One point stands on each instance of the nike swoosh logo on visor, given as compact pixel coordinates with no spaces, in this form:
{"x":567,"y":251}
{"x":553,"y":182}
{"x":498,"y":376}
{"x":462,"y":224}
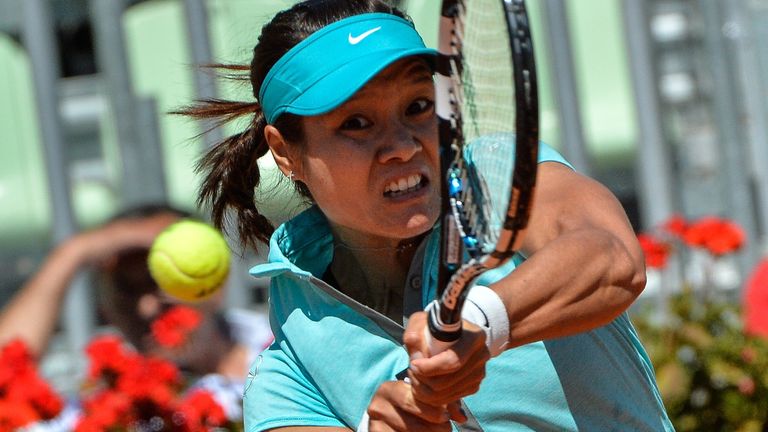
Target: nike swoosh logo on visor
{"x":354,"y":40}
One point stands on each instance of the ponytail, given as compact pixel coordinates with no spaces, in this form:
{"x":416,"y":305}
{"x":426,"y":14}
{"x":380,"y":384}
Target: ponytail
{"x":231,"y":175}
{"x":230,"y":169}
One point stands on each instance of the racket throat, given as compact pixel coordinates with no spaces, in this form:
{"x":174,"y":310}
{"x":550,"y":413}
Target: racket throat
{"x":453,"y":252}
{"x":452,"y":300}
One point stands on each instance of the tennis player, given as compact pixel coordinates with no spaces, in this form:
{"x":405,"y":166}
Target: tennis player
{"x":345,"y":104}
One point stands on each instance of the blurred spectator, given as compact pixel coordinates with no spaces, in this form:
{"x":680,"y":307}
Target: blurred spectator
{"x":756,"y":300}
{"x":218,"y":352}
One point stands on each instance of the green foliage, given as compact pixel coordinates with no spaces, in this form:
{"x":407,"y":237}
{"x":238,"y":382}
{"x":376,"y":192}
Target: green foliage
{"x":711,"y":375}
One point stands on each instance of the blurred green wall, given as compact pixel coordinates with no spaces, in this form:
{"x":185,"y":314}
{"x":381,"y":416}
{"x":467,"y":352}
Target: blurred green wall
{"x":161,"y":68}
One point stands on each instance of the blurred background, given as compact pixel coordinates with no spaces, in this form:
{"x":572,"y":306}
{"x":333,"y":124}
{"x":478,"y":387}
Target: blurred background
{"x":663,"y":101}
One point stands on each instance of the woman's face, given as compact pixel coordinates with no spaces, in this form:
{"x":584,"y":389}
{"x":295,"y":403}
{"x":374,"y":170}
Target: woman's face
{"x":372,"y":164}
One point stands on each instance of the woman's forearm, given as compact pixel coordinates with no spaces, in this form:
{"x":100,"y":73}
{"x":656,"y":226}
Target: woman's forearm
{"x":579,"y":281}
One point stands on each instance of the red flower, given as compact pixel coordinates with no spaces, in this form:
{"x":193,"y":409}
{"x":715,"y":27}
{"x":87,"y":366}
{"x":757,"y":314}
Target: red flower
{"x":39,"y":396}
{"x":756,"y":303}
{"x":718,"y":236}
{"x":138,"y":394}
{"x":747,"y":386}
{"x":200,"y":411}
{"x":162,"y":370}
{"x":109,"y":357}
{"x":151,"y":380}
{"x":125,"y":391}
{"x":675,"y":225}
{"x":127,"y":387}
{"x":656,"y":252}
{"x":15,"y":361}
{"x":16,"y":414}
{"x":748,"y":355}
{"x":137,"y":390}
{"x":104,"y":410}
{"x":172,"y":328}
{"x":24,"y":397}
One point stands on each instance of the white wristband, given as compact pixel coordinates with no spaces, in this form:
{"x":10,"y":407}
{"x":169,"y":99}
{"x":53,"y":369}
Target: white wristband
{"x":484,"y":308}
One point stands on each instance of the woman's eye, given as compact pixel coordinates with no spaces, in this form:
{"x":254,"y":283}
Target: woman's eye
{"x":355,"y":123}
{"x":419,"y":106}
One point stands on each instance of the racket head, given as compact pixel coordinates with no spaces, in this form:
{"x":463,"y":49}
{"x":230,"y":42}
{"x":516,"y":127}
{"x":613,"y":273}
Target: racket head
{"x":487,"y":106}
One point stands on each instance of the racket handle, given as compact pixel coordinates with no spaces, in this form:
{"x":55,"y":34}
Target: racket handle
{"x":484,"y":308}
{"x":439,"y":335}
{"x":436,"y":346}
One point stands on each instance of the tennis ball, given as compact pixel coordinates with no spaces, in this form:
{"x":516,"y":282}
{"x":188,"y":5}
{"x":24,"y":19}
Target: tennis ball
{"x":189,"y":260}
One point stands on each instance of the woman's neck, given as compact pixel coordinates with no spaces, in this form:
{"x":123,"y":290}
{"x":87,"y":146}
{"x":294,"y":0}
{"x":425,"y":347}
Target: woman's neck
{"x":374,"y":273}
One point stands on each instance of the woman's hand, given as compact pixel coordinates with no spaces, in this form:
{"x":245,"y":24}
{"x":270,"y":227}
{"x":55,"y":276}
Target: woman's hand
{"x":394,"y":408}
{"x":450,"y":375}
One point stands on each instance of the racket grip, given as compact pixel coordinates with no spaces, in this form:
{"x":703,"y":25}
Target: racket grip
{"x":436,"y":346}
{"x":439,"y":335}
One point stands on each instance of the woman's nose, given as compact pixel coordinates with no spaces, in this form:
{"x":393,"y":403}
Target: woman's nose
{"x":399,"y":143}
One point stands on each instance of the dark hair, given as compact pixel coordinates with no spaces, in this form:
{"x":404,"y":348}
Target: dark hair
{"x":230,"y":168}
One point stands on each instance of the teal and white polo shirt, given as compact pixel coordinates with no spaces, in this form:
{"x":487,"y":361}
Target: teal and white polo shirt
{"x":331,"y":353}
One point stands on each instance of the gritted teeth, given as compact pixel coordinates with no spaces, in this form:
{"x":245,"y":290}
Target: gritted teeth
{"x":405,"y":184}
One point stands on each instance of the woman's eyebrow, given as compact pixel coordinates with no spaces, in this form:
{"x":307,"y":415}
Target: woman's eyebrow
{"x":418,"y":72}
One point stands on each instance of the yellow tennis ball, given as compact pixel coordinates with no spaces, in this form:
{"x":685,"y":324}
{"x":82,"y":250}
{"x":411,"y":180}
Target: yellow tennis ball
{"x":189,"y":260}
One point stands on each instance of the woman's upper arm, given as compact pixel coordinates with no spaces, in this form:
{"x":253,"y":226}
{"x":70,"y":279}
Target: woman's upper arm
{"x":565,"y":200}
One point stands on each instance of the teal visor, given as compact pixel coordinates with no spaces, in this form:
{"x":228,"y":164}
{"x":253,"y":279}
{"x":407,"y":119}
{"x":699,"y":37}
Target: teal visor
{"x":332,"y":64}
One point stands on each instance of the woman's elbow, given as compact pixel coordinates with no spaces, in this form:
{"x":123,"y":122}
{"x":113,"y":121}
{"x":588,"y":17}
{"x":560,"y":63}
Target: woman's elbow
{"x":632,"y":276}
{"x":639,"y":279}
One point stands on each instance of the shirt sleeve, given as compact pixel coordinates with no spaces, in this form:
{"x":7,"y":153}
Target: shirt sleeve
{"x":278,"y":394}
{"x":549,"y":154}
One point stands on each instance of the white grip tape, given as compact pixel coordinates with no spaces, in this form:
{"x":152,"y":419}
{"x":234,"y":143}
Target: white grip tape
{"x":484,"y":308}
{"x":364,"y":422}
{"x":436,"y":346}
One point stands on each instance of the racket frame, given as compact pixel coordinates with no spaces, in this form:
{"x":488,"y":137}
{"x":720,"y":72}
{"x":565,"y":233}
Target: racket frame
{"x":454,"y":275}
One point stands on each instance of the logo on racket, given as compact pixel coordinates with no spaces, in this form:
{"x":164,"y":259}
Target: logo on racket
{"x":354,"y":40}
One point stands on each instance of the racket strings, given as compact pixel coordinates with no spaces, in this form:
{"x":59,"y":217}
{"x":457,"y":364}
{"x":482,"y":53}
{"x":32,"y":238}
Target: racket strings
{"x":473,"y":212}
{"x":483,"y":91}
{"x":487,"y":74}
{"x":464,"y":216}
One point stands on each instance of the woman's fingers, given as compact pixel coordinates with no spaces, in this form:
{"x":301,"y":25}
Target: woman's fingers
{"x":414,"y":336}
{"x":469,"y":351}
{"x":451,"y":374}
{"x":393,"y":408}
{"x":438,"y":391}
{"x":445,"y":377}
{"x":456,"y":412}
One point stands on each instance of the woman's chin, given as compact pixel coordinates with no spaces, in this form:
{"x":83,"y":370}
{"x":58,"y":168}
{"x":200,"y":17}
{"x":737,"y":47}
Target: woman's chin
{"x":419,"y":224}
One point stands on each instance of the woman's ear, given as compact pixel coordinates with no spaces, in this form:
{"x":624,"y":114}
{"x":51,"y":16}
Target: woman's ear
{"x":284,"y":158}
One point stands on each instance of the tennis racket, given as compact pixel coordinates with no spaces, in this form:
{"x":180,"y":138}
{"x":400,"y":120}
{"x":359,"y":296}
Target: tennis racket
{"x":487,"y":107}
{"x":488,"y":114}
